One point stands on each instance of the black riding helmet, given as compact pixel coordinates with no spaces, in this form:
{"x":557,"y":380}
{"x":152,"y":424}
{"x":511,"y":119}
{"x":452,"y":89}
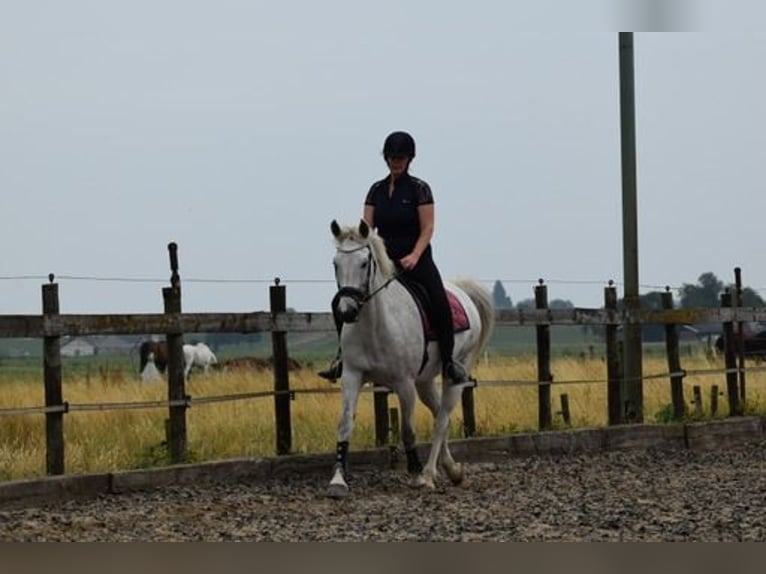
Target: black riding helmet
{"x":399,"y":144}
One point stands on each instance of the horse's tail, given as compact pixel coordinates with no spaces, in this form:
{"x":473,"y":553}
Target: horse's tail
{"x":482,"y":298}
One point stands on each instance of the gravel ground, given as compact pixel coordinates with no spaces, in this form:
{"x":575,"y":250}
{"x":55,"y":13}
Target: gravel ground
{"x":630,"y":495}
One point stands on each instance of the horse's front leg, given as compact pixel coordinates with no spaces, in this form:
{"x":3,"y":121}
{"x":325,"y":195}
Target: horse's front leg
{"x":351,"y":384}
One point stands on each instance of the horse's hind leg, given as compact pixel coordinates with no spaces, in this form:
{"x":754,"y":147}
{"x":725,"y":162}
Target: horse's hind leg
{"x":450,"y":396}
{"x":430,"y":397}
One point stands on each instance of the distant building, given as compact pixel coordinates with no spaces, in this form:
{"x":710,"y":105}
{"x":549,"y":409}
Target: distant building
{"x":78,"y":348}
{"x":108,"y":346}
{"x":111,"y":345}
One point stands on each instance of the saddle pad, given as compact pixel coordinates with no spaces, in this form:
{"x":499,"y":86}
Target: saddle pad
{"x":459,"y":317}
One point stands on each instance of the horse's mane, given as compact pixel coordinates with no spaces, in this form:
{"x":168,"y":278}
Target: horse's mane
{"x":376,"y":244}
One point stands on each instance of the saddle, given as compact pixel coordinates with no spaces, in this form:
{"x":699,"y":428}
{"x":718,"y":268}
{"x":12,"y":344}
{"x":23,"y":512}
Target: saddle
{"x":459,"y":316}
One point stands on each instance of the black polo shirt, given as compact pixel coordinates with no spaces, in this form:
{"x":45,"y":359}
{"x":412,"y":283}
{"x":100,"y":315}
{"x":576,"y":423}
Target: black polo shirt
{"x":396,"y":217}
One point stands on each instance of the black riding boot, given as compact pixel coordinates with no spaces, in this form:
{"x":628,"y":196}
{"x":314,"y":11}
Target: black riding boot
{"x":455,"y":372}
{"x":451,"y":369}
{"x":334,"y":371}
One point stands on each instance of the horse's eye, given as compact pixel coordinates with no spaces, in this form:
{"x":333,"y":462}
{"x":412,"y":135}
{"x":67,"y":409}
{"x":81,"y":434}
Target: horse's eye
{"x":364,"y":265}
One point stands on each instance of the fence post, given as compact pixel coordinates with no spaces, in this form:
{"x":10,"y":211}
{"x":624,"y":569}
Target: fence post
{"x":697,"y":393}
{"x":176,"y":426}
{"x":613,"y":370}
{"x":469,"y":413}
{"x":382,"y":425}
{"x":713,"y":400}
{"x":54,"y":422}
{"x":674,"y":360}
{"x":544,"y":378}
{"x":278,"y":302}
{"x":740,"y":335}
{"x":565,"y":414}
{"x":731,"y":360}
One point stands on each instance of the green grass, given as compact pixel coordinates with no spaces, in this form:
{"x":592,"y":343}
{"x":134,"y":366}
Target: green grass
{"x":111,"y":440}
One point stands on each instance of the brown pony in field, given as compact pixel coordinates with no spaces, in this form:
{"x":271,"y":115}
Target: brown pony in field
{"x":160,"y":351}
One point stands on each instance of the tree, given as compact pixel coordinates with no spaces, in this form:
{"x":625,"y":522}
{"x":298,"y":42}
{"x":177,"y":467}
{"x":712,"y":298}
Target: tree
{"x":750,"y":297}
{"x":502,"y":301}
{"x":526,"y":304}
{"x":704,"y":294}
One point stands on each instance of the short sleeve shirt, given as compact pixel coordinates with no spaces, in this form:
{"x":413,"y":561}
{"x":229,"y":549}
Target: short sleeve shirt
{"x":396,"y":217}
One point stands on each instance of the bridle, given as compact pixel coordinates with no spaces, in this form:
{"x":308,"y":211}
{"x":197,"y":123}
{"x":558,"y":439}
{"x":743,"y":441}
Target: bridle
{"x":358,"y":295}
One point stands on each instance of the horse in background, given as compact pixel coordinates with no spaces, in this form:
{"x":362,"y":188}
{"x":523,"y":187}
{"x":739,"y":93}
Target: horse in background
{"x":159,"y":352}
{"x":383,"y":341}
{"x":198,"y":355}
{"x":150,"y":371}
{"x":154,"y":357}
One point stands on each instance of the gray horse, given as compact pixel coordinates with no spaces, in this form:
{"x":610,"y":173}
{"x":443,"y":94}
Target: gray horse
{"x":383,"y":342}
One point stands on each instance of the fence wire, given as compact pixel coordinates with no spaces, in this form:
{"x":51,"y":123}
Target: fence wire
{"x":285,"y":280}
{"x":190,"y":401}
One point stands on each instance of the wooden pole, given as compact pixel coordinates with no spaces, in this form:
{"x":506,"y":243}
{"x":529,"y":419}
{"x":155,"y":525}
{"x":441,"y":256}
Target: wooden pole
{"x":380,"y":405}
{"x":613,"y":371}
{"x":54,"y":421}
{"x":176,"y":426}
{"x":469,"y":414}
{"x":740,"y":335}
{"x":278,"y":302}
{"x":697,"y":400}
{"x":713,"y":400}
{"x":631,"y":330}
{"x":565,"y":414}
{"x":730,"y":359}
{"x":674,"y":360}
{"x":544,"y":377}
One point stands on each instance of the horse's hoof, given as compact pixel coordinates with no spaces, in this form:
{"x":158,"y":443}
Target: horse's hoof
{"x":337,"y":491}
{"x":422,"y":481}
{"x":455,"y":473}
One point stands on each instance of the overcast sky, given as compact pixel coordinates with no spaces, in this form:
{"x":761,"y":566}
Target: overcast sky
{"x":240,"y":129}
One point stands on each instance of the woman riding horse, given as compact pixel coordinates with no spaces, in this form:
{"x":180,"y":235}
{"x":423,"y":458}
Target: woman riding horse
{"x":401,"y":208}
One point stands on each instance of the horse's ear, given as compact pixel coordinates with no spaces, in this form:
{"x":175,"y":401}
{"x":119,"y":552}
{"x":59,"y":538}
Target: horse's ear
{"x":335,"y":228}
{"x":364,"y":229}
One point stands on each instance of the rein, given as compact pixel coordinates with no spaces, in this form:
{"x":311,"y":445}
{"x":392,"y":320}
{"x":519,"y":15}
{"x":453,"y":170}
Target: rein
{"x":386,"y":283}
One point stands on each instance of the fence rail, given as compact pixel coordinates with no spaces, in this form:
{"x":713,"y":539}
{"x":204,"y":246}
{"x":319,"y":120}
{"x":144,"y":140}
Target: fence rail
{"x":39,"y":326}
{"x":50,"y":326}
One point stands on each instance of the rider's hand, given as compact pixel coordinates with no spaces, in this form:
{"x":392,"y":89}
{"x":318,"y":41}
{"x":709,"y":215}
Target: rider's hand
{"x":409,"y":261}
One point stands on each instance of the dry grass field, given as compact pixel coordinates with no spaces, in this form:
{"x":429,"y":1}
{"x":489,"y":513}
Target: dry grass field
{"x":123,"y":439}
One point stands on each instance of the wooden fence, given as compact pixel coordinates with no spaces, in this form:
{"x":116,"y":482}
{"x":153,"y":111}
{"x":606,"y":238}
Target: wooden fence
{"x":173,"y":323}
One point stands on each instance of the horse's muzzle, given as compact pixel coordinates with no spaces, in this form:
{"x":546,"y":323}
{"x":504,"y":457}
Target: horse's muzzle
{"x":349,"y":310}
{"x":350,"y":314}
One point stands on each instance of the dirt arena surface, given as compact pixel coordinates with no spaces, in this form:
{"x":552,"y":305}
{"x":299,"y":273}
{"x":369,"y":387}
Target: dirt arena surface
{"x":646,"y":495}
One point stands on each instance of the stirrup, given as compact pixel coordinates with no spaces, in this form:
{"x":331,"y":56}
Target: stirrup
{"x":456,"y":373}
{"x":333,"y":372}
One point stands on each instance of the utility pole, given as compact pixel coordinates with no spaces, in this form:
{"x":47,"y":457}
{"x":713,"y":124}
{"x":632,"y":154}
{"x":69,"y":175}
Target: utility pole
{"x":633,"y":383}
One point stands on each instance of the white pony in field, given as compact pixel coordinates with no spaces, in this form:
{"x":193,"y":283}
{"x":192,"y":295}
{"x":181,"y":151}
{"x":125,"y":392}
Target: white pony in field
{"x":198,"y":355}
{"x":382,"y":341}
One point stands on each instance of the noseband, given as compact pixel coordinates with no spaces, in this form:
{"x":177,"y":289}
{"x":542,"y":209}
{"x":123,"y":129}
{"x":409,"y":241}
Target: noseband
{"x":359,"y":296}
